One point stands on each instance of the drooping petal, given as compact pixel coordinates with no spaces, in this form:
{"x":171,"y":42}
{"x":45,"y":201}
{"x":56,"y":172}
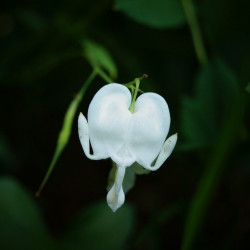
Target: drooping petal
{"x":149,"y":128}
{"x":166,"y":151}
{"x":83,"y":131}
{"x":116,"y":196}
{"x":109,"y":121}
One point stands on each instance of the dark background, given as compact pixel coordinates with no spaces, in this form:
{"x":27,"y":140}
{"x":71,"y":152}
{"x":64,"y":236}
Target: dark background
{"x":199,"y":198}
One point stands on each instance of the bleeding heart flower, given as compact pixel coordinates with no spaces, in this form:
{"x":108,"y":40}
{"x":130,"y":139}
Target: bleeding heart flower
{"x":127,"y":131}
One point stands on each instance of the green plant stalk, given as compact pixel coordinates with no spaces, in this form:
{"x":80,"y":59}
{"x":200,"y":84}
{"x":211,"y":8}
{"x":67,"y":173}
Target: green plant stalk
{"x":137,"y":84}
{"x":103,"y":75}
{"x":65,"y":132}
{"x":212,"y":174}
{"x":193,"y":23}
{"x":144,"y":76}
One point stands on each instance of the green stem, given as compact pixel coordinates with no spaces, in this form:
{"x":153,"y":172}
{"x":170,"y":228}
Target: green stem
{"x":65,"y":132}
{"x":56,"y":155}
{"x":87,"y":83}
{"x":104,"y":76}
{"x":193,"y":23}
{"x":137,"y":84}
{"x":134,"y":81}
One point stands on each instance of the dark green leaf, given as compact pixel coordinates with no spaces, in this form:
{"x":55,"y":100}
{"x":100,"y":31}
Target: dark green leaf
{"x":7,"y":155}
{"x":223,"y":146}
{"x":98,"y":227}
{"x":157,"y":13}
{"x":156,"y":221}
{"x":248,"y":87}
{"x":21,"y":223}
{"x":203,"y":114}
{"x":31,"y":20}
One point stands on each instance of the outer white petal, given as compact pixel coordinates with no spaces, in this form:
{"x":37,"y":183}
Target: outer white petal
{"x":83,"y":131}
{"x":109,"y":121}
{"x":149,"y":128}
{"x":164,"y":154}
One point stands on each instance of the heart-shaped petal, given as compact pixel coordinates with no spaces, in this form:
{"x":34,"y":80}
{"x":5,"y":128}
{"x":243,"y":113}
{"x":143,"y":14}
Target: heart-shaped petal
{"x":109,"y":119}
{"x":149,"y":128}
{"x":123,"y":136}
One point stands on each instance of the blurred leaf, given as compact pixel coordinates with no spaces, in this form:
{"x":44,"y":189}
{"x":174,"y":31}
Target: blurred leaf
{"x":31,"y":20}
{"x":21,"y":223}
{"x":156,"y":221}
{"x":65,"y":132}
{"x":157,"y":13}
{"x":248,"y":87}
{"x":33,"y":57}
{"x":99,"y":57}
{"x":202,"y":115}
{"x":128,"y":181}
{"x":43,"y":63}
{"x":99,"y":228}
{"x":223,"y":145}
{"x":138,"y":169}
{"x":7,"y":156}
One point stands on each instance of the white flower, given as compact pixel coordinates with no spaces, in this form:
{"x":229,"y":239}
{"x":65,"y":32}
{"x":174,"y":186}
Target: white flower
{"x":124,"y":136}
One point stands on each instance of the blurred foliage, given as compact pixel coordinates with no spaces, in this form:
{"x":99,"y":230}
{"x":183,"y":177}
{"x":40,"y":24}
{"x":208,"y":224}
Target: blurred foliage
{"x":20,"y":218}
{"x":94,"y":228}
{"x":248,"y":88}
{"x":99,"y":58}
{"x":232,"y":112}
{"x":157,"y":13}
{"x":199,"y":199}
{"x":203,"y":115}
{"x":7,"y":156}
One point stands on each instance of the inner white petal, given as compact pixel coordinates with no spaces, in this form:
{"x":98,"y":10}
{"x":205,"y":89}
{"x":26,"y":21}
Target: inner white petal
{"x":123,"y":157}
{"x":116,"y":196}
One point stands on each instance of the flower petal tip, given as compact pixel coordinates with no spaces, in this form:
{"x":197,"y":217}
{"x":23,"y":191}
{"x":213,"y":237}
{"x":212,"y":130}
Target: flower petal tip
{"x":115,"y":201}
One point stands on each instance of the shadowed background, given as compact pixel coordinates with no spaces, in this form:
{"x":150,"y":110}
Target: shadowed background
{"x":199,"y":198}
